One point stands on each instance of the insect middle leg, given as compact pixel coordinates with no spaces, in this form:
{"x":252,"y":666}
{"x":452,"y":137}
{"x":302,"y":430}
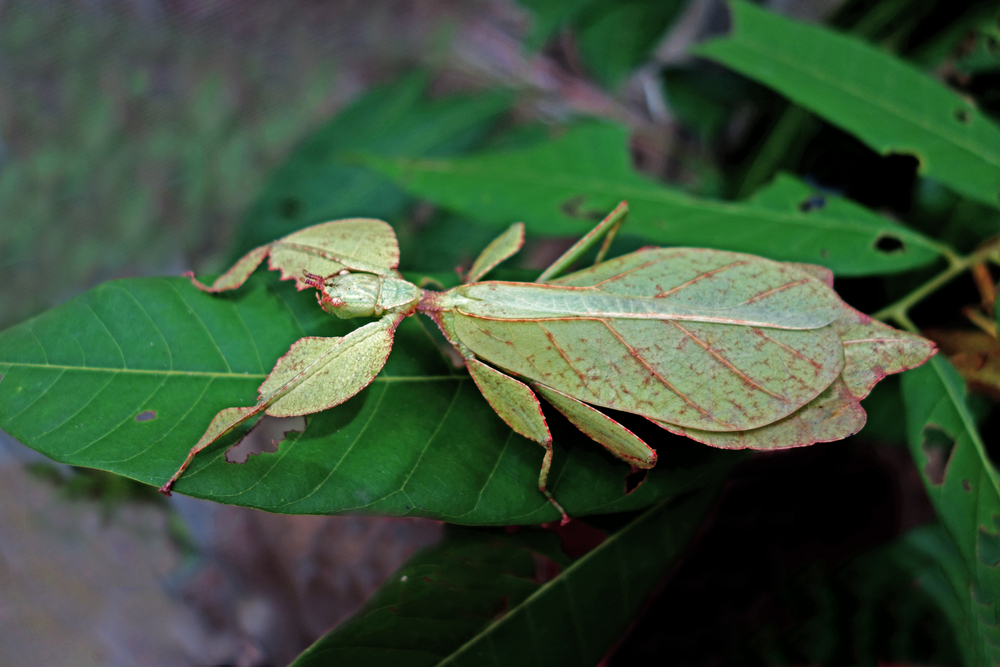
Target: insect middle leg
{"x":605,"y":229}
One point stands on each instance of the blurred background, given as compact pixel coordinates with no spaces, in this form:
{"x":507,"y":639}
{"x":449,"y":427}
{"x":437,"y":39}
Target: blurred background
{"x":153,"y":137}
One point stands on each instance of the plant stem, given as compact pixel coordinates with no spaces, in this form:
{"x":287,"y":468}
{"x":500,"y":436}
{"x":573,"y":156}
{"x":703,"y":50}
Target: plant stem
{"x":956,"y":266}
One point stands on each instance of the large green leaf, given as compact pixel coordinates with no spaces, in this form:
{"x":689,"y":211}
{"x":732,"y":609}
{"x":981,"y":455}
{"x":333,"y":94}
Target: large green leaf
{"x":964,"y":487}
{"x":127,"y":376}
{"x":887,"y":103}
{"x":315,"y":184}
{"x":563,"y":185}
{"x":476,"y":598}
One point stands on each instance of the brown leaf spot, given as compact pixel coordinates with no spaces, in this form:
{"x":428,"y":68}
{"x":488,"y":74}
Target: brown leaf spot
{"x":966,"y":485}
{"x":265,"y":436}
{"x":937,"y":448}
{"x":963,"y":116}
{"x":146,"y":416}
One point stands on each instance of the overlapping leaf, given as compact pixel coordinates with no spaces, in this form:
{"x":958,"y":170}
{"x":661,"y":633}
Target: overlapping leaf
{"x":561,"y":186}
{"x":887,"y":103}
{"x":420,"y":441}
{"x":965,"y":489}
{"x":476,"y":599}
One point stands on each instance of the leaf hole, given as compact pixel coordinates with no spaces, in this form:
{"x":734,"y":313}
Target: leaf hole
{"x":889,"y":244}
{"x":937,"y":448}
{"x":146,"y":416}
{"x":634,"y":479}
{"x":289,"y":208}
{"x":963,"y":116}
{"x":813,"y":203}
{"x":264,"y":437}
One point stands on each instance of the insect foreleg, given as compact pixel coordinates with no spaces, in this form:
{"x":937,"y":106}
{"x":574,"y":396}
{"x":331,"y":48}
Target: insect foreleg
{"x":518,"y":406}
{"x":605,"y":229}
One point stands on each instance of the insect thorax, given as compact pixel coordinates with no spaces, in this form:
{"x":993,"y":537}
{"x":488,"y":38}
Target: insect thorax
{"x":367,"y":295}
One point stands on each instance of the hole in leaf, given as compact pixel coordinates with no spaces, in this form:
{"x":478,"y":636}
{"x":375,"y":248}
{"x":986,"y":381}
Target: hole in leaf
{"x":937,"y":447}
{"x":963,"y":116}
{"x":812,"y":203}
{"x":289,"y":208}
{"x":265,"y":436}
{"x":146,"y":416}
{"x":634,"y":479}
{"x":889,"y":244}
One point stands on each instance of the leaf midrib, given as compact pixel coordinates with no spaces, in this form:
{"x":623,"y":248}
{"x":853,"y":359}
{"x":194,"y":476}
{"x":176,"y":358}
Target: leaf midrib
{"x":211,"y":374}
{"x":655,"y":195}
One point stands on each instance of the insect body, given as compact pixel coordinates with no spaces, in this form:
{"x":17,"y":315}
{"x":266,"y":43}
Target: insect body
{"x":729,"y":349}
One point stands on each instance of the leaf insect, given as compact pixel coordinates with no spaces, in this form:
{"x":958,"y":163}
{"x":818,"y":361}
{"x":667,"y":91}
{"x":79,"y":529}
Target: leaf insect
{"x":729,"y":349}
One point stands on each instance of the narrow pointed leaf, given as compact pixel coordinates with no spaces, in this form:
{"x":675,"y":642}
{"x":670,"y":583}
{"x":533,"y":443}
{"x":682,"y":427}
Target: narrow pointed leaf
{"x":887,"y":103}
{"x":419,"y":441}
{"x":563,"y":185}
{"x":475,"y":599}
{"x":964,"y":487}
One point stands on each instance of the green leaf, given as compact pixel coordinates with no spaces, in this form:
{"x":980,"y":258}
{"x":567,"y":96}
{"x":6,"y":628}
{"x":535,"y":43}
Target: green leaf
{"x":886,"y":102}
{"x":315,"y":184}
{"x":547,"y":16}
{"x":562,"y":186}
{"x":964,"y":487}
{"x":476,"y":599}
{"x":419,"y":441}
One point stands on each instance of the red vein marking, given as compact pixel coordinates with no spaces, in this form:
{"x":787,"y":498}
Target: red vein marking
{"x":562,"y":354}
{"x":725,"y":362}
{"x":776,"y":289}
{"x":789,"y":349}
{"x":625,"y":273}
{"x":697,"y":278}
{"x":663,"y":380}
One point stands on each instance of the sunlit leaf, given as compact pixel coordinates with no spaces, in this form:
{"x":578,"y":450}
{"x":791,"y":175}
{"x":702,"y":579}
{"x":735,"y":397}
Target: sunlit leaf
{"x":420,"y":441}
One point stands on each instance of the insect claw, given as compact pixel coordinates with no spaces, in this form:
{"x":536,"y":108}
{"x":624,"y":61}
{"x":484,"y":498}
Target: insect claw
{"x":312,"y":280}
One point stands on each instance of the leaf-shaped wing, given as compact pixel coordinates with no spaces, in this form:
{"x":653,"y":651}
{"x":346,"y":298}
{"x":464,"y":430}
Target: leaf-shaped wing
{"x":833,"y":415}
{"x":714,"y":377}
{"x":873,"y":350}
{"x":356,"y":244}
{"x":693,"y":284}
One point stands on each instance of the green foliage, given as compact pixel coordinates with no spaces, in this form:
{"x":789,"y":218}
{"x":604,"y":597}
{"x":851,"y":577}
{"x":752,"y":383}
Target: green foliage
{"x":484,"y":597}
{"x":563,"y":184}
{"x":890,"y":105}
{"x":965,"y":489}
{"x":125,"y":377}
